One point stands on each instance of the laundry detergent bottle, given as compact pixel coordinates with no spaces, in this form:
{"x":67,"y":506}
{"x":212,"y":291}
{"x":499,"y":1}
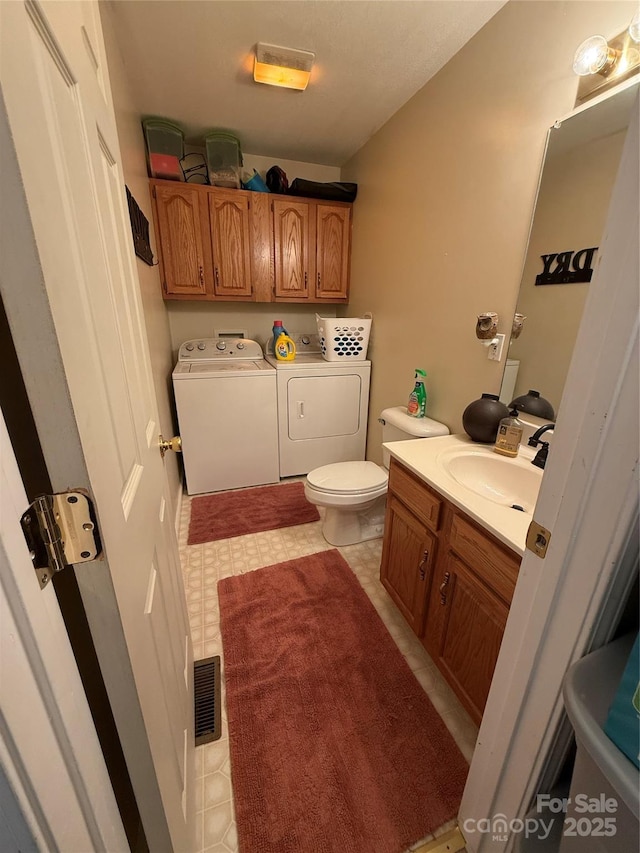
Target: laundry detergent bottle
{"x":278,"y":329}
{"x":417,"y":405}
{"x":285,"y":349}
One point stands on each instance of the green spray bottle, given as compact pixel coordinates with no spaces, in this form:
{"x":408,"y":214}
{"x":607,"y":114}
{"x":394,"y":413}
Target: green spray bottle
{"x":417,"y":405}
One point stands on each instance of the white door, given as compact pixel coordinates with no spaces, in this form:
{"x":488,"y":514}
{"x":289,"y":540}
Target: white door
{"x":49,"y":751}
{"x":58,"y":102}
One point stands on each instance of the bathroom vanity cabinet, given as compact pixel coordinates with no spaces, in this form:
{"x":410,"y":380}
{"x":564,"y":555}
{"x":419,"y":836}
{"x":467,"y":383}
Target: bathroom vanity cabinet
{"x":219,"y":244}
{"x":451,"y":580}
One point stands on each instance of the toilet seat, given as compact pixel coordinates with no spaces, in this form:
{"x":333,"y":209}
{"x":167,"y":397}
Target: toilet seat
{"x":349,"y":478}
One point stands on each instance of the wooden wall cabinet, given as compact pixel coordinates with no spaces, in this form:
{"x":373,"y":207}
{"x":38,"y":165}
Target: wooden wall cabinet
{"x":456,"y":593}
{"x":229,"y":220}
{"x":236,"y":245}
{"x":312,"y":244}
{"x":333,"y":245}
{"x":292,"y":244}
{"x":181,"y":222}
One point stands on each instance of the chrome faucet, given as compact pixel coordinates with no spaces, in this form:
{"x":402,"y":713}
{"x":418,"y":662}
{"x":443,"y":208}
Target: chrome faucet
{"x":541,"y":456}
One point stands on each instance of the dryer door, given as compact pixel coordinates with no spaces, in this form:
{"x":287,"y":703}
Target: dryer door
{"x":323,"y":406}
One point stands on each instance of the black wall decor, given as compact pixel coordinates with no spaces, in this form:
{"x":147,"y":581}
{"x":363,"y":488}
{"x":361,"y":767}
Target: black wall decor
{"x":140,"y":230}
{"x":570,"y":267}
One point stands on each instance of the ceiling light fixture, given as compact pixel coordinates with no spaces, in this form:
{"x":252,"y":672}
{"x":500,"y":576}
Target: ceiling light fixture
{"x":282,"y":66}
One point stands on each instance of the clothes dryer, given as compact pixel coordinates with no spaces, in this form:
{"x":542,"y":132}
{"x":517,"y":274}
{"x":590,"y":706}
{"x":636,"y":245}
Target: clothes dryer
{"x":322,"y":408}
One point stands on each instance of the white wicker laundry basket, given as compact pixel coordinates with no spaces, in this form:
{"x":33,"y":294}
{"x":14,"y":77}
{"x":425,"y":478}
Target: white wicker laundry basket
{"x":344,"y":338}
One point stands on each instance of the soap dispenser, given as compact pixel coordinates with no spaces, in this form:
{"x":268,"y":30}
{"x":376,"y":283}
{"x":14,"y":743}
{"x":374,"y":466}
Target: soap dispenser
{"x":509,"y":434}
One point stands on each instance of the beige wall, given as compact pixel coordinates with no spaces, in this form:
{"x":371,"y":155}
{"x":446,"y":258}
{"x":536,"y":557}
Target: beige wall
{"x":445,"y":198}
{"x":135,"y":175}
{"x":194,"y":320}
{"x":570,"y":215}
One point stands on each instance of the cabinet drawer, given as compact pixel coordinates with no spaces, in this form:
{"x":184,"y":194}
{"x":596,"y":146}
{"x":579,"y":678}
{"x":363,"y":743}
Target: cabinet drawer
{"x":496,"y":566}
{"x":415,"y":495}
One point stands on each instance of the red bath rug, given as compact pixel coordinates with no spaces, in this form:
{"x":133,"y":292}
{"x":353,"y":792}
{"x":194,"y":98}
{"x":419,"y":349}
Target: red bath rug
{"x":335,"y":747}
{"x":228,"y":514}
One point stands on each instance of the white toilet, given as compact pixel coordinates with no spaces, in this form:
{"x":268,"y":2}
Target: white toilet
{"x":353,"y":493}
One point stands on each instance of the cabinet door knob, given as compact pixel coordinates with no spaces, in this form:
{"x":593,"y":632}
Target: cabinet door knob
{"x":423,"y":561}
{"x":443,"y":588}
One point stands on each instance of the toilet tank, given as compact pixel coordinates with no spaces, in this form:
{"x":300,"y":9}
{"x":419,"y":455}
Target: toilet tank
{"x":397,"y":425}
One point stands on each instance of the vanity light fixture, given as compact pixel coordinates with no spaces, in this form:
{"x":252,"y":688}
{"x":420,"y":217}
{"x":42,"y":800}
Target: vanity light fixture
{"x":594,"y":56}
{"x":602,"y":63}
{"x":282,"y":66}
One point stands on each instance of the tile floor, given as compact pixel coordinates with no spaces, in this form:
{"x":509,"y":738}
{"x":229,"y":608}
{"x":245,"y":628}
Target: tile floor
{"x":203,"y":565}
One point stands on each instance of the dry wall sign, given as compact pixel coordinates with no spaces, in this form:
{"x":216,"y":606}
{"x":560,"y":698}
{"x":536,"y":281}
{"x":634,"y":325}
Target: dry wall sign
{"x":567,"y":267}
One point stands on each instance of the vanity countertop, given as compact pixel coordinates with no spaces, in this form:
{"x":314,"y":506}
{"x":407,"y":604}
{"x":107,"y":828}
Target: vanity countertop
{"x":424,"y":457}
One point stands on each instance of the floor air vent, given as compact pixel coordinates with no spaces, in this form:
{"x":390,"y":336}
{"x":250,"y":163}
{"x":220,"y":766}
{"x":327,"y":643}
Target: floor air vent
{"x":206,"y":681}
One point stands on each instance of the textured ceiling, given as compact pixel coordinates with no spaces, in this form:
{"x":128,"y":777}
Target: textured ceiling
{"x":191,"y":61}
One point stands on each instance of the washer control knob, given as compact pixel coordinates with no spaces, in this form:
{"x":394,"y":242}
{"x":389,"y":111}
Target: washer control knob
{"x":306,"y":340}
{"x":239,"y":345}
{"x":202,"y":346}
{"x":189,"y":347}
{"x":221,"y":345}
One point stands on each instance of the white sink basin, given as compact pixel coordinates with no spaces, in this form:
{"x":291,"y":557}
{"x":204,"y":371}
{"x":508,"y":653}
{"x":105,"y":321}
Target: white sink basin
{"x":503,"y":480}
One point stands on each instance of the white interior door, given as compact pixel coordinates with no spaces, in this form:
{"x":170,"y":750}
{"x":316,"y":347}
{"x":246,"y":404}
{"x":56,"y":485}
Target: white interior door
{"x":58,"y":102}
{"x":49,"y":751}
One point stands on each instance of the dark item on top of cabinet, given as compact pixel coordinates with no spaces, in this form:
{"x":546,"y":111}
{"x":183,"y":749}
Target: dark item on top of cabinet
{"x":194,"y":169}
{"x":139,"y":230}
{"x":481,"y":418}
{"x":277,"y":180}
{"x":331,"y":191}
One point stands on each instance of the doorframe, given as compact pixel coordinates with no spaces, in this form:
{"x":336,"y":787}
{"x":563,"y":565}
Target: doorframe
{"x":569,"y":603}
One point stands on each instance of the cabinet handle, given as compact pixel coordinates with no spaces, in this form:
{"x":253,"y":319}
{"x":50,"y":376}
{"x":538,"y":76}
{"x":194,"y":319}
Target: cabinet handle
{"x":443,"y":588}
{"x":201,"y":276}
{"x":217,"y":275}
{"x":423,"y":561}
{"x":305,"y":280}
{"x":318,"y":281}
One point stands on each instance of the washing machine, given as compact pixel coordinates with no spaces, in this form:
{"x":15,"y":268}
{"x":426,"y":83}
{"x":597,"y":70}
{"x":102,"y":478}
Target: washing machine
{"x":322,"y":407}
{"x":225,"y":394}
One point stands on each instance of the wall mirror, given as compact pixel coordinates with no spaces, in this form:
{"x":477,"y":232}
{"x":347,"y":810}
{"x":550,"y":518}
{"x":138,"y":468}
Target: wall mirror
{"x":579,"y":169}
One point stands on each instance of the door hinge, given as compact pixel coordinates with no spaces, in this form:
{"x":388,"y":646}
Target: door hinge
{"x":538,"y":538}
{"x":60,"y":530}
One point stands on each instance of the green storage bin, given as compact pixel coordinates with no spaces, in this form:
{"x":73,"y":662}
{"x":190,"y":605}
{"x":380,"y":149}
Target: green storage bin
{"x":224,"y":159}
{"x":165,"y":148}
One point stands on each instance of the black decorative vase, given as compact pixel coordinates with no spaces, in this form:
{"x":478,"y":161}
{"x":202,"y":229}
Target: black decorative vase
{"x":481,"y":418}
{"x":533,"y":404}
